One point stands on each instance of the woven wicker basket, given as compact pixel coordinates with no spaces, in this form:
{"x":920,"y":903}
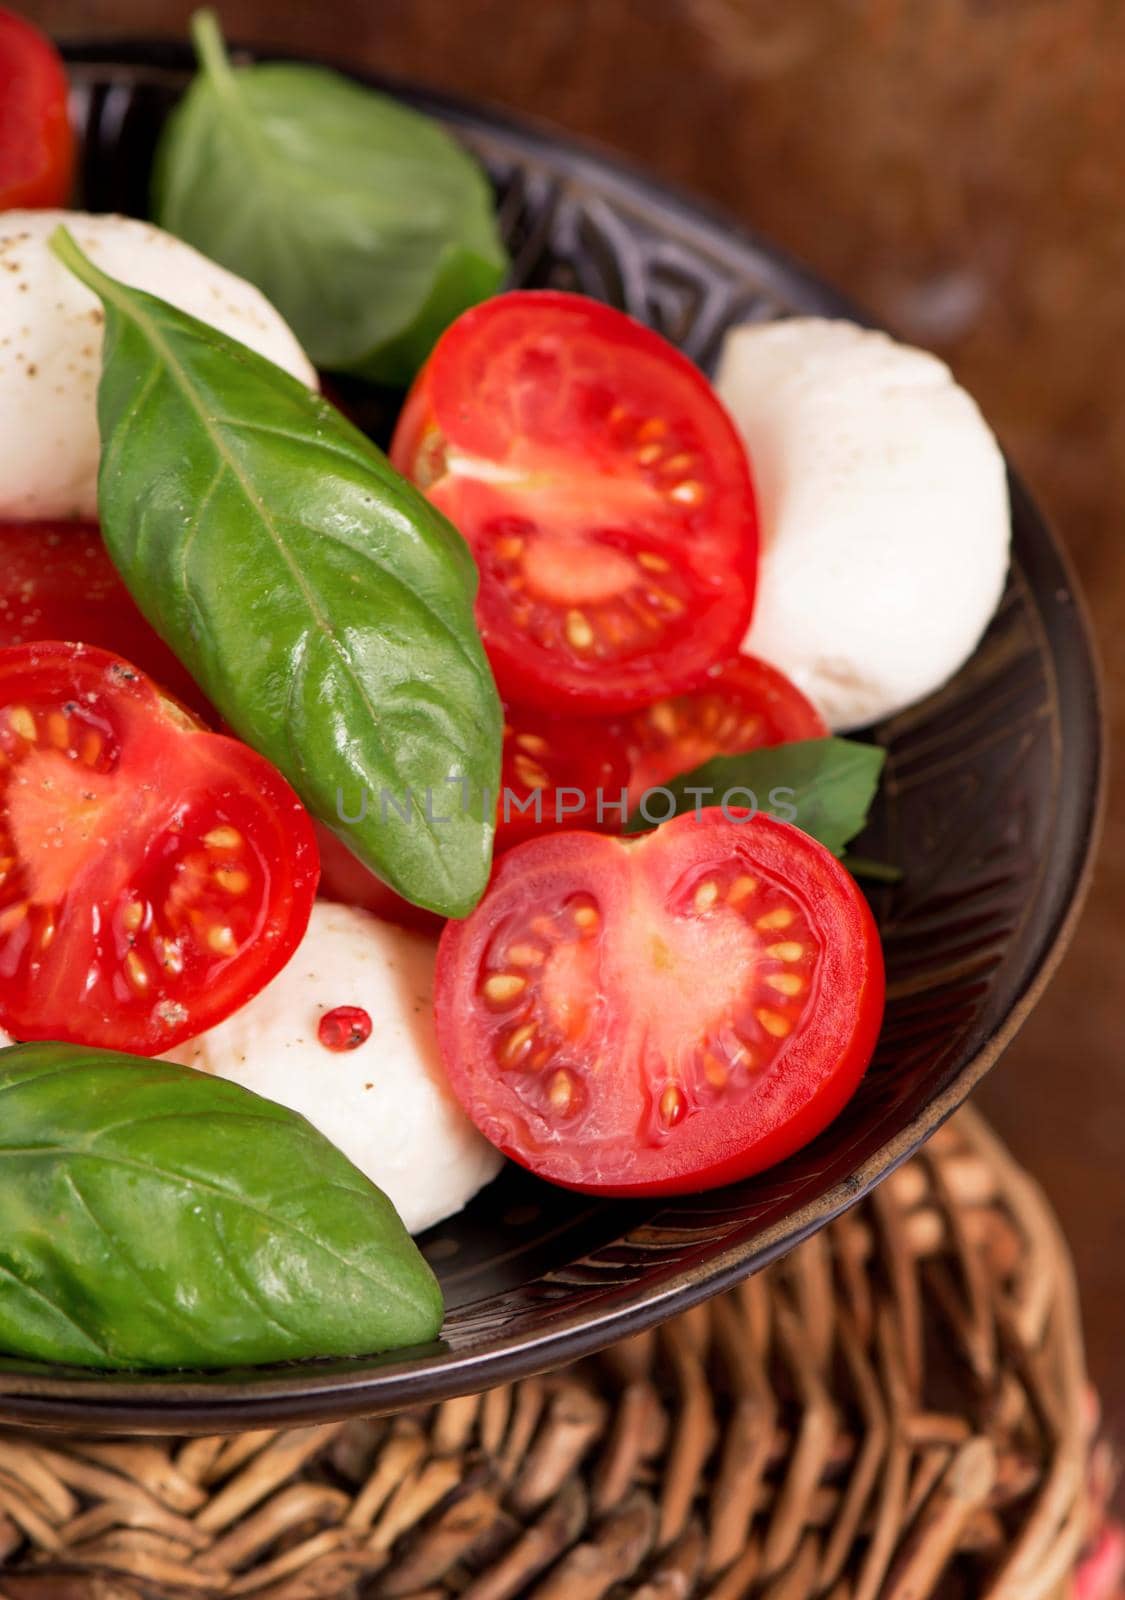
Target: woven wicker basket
{"x":896,"y":1410}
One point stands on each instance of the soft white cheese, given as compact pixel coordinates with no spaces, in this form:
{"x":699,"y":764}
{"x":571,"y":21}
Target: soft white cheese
{"x":884,"y":512}
{"x":51,"y":341}
{"x":386,"y":1105}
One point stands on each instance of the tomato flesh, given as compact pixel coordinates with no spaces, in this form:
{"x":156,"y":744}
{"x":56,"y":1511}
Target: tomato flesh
{"x":153,"y":876}
{"x":57,"y":582}
{"x":742,"y":704}
{"x":603,"y":491}
{"x":662,"y":1014}
{"x":36,"y":142}
{"x":559,"y":772}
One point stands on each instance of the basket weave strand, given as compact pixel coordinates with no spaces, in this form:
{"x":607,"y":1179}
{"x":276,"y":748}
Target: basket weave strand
{"x":896,"y":1410}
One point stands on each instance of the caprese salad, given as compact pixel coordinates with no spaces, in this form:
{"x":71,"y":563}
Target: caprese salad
{"x":365,"y":819}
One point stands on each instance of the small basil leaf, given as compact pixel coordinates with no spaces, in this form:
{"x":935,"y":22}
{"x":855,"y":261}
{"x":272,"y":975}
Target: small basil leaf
{"x":319,"y":600}
{"x":154,"y":1216}
{"x":824,"y":786}
{"x":874,"y":871}
{"x":365,"y":224}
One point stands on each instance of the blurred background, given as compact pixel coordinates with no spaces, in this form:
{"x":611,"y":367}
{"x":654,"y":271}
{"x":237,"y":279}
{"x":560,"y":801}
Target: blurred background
{"x":958,"y":166}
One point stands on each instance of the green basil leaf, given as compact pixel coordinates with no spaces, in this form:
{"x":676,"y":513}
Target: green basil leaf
{"x":824,"y":786}
{"x":874,"y":871}
{"x":363,"y":222}
{"x":319,"y":600}
{"x":154,"y":1216}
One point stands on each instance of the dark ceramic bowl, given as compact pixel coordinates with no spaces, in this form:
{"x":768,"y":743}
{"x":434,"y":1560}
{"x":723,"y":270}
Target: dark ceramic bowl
{"x":989,"y":805}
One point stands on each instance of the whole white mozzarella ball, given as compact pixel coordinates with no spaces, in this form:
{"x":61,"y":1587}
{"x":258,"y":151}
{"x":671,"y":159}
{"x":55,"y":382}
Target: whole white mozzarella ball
{"x":884,"y":512}
{"x":386,"y":1104}
{"x":51,"y":342}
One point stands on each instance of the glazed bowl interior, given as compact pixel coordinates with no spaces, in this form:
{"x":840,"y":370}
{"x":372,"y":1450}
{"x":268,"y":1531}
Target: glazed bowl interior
{"x":988,"y":806}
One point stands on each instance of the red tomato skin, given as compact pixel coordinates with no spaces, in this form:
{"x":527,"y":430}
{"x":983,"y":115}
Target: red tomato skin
{"x":348,"y":882}
{"x":179,"y":779}
{"x":745,"y":689}
{"x":717,"y":551}
{"x":57,"y":582}
{"x":734,"y":1153}
{"x":37,"y":148}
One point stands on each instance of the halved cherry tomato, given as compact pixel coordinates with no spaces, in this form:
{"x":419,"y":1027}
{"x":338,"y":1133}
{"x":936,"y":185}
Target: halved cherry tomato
{"x":36,"y":142}
{"x":57,"y":582}
{"x":153,"y":876}
{"x":661,"y":1014}
{"x":603,"y":491}
{"x":741,"y":704}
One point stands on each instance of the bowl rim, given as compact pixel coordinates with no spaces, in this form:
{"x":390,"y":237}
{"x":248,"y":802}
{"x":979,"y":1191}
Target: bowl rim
{"x":306,"y":1393}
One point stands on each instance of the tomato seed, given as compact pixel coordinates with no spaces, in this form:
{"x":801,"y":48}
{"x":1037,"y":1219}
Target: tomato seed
{"x":504,"y":986}
{"x":516,"y":1043}
{"x":672,"y":1106}
{"x":344,"y":1028}
{"x":714,"y":1071}
{"x":652,"y":562}
{"x":23,"y":723}
{"x":579,"y":631}
{"x":706,"y":895}
{"x":773,"y":1022}
{"x":530,"y":773}
{"x":224,"y":838}
{"x":785,"y":982}
{"x":662,"y":717}
{"x":221,"y":941}
{"x":788,"y":950}
{"x":233,"y":879}
{"x":688,"y":493}
{"x":561,"y":1091}
{"x":136,"y":972}
{"x":781,"y":918}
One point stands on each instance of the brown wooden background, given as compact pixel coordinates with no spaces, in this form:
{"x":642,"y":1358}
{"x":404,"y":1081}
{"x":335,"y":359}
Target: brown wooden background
{"x":958,"y":165}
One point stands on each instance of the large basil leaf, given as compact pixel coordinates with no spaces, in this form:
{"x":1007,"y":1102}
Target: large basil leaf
{"x":318,"y":599}
{"x":154,"y":1216}
{"x":824,"y":786}
{"x":363,"y":222}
